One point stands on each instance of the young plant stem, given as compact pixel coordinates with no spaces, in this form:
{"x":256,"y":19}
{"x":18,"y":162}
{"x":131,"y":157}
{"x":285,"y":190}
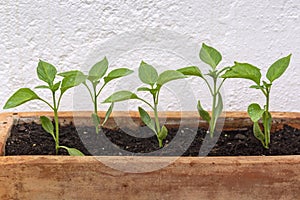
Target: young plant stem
{"x":55,"y":110}
{"x":266,"y":122}
{"x":90,"y":92}
{"x":95,"y":99}
{"x":56,"y":131}
{"x":146,"y":103}
{"x":212,"y":122}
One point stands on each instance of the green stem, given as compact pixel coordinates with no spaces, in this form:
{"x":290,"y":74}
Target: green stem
{"x":208,"y":85}
{"x":266,"y":122}
{"x":156,"y":118}
{"x":56,"y":131}
{"x":160,"y":143}
{"x":100,"y":90}
{"x":47,"y":103}
{"x":55,"y":109}
{"x":89,"y":90}
{"x":219,"y":88}
{"x":212,"y":121}
{"x":146,"y":103}
{"x":155,"y":99}
{"x":95,"y":100}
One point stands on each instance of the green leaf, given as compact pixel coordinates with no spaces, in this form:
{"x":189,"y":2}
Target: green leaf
{"x":147,"y":73}
{"x":117,"y":73}
{"x":267,"y":85}
{"x":144,"y":89}
{"x":107,"y":114}
{"x":216,"y":114}
{"x":219,"y":107}
{"x":210,"y":56}
{"x":71,"y":81}
{"x":71,"y":73}
{"x":120,"y":96}
{"x":147,"y":119}
{"x":278,"y":68}
{"x":19,"y":97}
{"x":243,"y":70}
{"x":267,"y":122}
{"x":258,"y":133}
{"x":169,"y":75}
{"x":72,"y":151}
{"x":46,"y":72}
{"x":96,"y":121}
{"x":98,"y":70}
{"x":255,"y":112}
{"x":163,"y":133}
{"x":47,"y":125}
{"x":257,"y":87}
{"x":191,"y":71}
{"x":42,"y":87}
{"x":55,"y":87}
{"x":203,"y":113}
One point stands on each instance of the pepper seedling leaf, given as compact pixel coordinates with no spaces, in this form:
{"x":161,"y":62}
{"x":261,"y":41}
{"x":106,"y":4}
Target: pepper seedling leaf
{"x":243,"y":70}
{"x":191,"y":71}
{"x":96,"y":121}
{"x":169,"y":75}
{"x":147,"y":73}
{"x":203,"y":113}
{"x":258,"y":133}
{"x":117,"y":73}
{"x":55,"y":87}
{"x":71,"y":81}
{"x":163,"y":133}
{"x":46,"y":72}
{"x":278,"y":68}
{"x":42,"y":87}
{"x":267,"y":122}
{"x":257,"y":87}
{"x":144,"y":89}
{"x":120,"y":96}
{"x":47,"y":125}
{"x":108,"y":112}
{"x":98,"y":70}
{"x":255,"y":112}
{"x":147,"y":119}
{"x":20,"y":97}
{"x":210,"y":56}
{"x":72,"y":151}
{"x":219,"y":107}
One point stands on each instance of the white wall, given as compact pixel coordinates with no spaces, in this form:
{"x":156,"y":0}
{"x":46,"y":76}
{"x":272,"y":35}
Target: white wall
{"x":165,"y":33}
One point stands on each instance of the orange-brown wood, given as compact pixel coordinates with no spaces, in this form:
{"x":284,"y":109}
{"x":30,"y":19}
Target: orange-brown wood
{"x":42,"y":177}
{"x":67,"y":177}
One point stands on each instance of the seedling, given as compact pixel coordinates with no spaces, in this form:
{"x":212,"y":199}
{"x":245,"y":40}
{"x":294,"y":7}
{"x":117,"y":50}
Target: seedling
{"x":248,"y":71}
{"x":47,"y":73}
{"x":149,"y":76}
{"x":212,"y":57}
{"x":94,"y":77}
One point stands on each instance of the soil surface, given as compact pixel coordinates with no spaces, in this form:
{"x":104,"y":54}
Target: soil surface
{"x":31,"y":139}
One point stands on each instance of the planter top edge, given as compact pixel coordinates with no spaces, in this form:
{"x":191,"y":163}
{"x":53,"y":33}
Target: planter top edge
{"x":172,"y":114}
{"x":8,"y":160}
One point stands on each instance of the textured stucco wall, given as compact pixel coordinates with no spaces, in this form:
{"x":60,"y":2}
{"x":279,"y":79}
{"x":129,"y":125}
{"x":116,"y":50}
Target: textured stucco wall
{"x":166,"y":33}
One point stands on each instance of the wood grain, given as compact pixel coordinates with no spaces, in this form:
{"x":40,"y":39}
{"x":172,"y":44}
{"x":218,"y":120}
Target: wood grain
{"x":67,"y":177}
{"x":42,"y":177}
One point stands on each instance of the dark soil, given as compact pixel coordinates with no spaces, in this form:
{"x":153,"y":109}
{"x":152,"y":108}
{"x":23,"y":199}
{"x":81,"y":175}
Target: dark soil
{"x":31,"y":139}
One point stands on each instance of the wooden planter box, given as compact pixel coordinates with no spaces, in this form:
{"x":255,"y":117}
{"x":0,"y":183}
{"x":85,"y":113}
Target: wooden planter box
{"x":66,"y":177}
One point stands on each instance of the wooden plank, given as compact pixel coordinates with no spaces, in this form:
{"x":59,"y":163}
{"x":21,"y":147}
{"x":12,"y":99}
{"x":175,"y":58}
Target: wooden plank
{"x":67,"y":177}
{"x":63,"y":177}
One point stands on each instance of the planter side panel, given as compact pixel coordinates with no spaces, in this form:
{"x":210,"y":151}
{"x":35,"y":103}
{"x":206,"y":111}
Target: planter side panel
{"x":28,"y":177}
